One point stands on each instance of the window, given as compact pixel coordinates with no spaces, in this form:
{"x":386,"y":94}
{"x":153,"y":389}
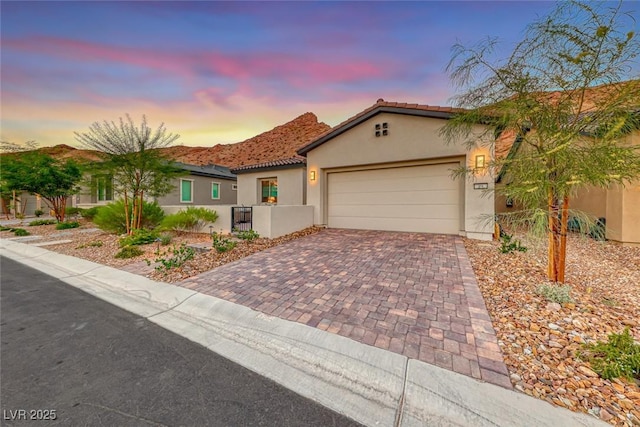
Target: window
{"x":103,"y":185}
{"x":269,"y":190}
{"x":215,"y":190}
{"x":186,"y":191}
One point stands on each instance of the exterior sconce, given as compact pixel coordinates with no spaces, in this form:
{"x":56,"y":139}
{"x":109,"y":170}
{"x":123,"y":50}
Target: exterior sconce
{"x":480,"y":161}
{"x":312,"y":176}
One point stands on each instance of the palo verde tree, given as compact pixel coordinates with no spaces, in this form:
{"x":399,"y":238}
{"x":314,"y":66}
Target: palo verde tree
{"x":569,"y":96}
{"x":132,"y":157}
{"x":38,"y":173}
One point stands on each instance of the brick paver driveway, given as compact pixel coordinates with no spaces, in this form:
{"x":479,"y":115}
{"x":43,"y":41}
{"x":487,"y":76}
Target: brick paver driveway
{"x":410,"y":293}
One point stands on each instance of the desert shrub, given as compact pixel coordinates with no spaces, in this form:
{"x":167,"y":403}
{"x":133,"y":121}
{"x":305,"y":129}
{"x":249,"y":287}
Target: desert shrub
{"x":248,"y":235}
{"x":221,"y":243}
{"x":38,"y":213}
{"x":619,"y":357}
{"x":555,"y":293}
{"x":96,"y":244}
{"x":179,"y":256}
{"x":508,"y":245}
{"x":165,"y":239}
{"x":3,"y":228}
{"x":89,"y":213}
{"x":129,"y":252}
{"x":20,"y":232}
{"x":138,"y":237}
{"x":111,"y":217}
{"x":67,"y":224}
{"x":38,"y":222}
{"x":72,"y":211}
{"x":191,"y":219}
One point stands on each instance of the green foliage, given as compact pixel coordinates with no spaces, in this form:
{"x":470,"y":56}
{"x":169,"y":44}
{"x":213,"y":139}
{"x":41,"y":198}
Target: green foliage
{"x":3,"y":228}
{"x":72,"y":210}
{"x":555,"y":293}
{"x":179,"y":256}
{"x":42,"y":222}
{"x":35,"y":172}
{"x":508,"y":245}
{"x":89,"y":213}
{"x":112,"y":217}
{"x":38,"y":213}
{"x":619,"y":357}
{"x":129,"y":252}
{"x":192,"y":219}
{"x":248,"y":235}
{"x":95,"y":244}
{"x":221,"y":243}
{"x":67,"y":224}
{"x":138,"y":237}
{"x":165,"y":239}
{"x":20,"y":232}
{"x":132,"y":157}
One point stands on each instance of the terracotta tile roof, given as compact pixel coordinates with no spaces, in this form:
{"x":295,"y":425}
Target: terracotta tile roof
{"x":277,"y":144}
{"x":275,"y":164}
{"x":380,"y":106}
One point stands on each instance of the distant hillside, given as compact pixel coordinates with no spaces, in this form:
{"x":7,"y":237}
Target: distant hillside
{"x":279,"y":143}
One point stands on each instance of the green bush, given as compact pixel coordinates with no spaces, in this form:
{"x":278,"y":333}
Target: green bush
{"x":129,"y":252}
{"x":3,"y":228}
{"x":138,"y":237}
{"x":42,"y":222}
{"x":192,"y":219}
{"x":89,"y":213}
{"x":20,"y":232}
{"x":619,"y":357}
{"x":555,"y":293}
{"x":96,"y":244}
{"x":165,"y":239}
{"x":67,"y":224}
{"x":509,"y":245}
{"x":181,"y":255}
{"x":248,"y":235}
{"x":72,"y":211}
{"x":38,"y":213}
{"x":221,"y":243}
{"x":111,"y":217}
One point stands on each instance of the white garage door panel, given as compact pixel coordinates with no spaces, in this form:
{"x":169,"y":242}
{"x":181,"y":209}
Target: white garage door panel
{"x":416,"y":198}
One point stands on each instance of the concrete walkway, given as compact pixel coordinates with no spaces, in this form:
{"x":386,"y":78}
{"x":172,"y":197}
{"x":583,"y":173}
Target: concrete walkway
{"x":414,"y":294}
{"x":370,"y":385}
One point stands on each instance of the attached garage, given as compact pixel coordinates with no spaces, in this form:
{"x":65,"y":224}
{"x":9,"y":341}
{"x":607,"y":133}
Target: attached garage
{"x":415,"y":198}
{"x":389,"y":168}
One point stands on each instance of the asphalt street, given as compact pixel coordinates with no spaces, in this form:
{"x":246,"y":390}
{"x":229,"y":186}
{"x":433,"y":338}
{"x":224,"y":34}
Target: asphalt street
{"x":68,"y":358}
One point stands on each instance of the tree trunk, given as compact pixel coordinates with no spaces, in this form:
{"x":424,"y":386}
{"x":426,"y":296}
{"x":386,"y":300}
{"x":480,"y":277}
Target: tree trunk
{"x":126,"y":213}
{"x":562,"y":255}
{"x":554,"y":241}
{"x":139,"y":219}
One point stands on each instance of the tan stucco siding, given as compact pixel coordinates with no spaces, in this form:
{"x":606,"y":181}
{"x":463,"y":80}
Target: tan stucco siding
{"x":201,"y":192}
{"x":291,"y":189}
{"x":410,"y":141}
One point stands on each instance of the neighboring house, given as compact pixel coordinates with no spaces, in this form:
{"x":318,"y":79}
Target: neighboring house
{"x":618,"y":205}
{"x":201,"y":185}
{"x":281,"y":182}
{"x":204,"y":185}
{"x":388,"y":168}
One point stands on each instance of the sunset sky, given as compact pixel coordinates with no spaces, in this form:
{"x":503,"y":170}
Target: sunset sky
{"x":218,"y":72}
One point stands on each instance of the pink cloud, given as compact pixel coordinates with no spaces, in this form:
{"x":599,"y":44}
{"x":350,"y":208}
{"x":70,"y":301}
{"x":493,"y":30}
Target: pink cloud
{"x":278,"y":66}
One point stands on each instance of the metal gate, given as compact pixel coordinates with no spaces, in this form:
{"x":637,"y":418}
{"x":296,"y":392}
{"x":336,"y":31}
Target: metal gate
{"x":241,"y":218}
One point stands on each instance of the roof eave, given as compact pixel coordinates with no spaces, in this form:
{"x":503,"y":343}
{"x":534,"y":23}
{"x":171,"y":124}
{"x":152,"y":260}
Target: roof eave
{"x":269,"y":168}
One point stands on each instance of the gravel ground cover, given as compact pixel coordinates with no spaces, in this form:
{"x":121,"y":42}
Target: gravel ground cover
{"x":539,"y":339}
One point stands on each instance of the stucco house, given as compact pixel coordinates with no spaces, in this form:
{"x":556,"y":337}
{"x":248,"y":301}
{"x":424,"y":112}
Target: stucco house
{"x":388,"y":168}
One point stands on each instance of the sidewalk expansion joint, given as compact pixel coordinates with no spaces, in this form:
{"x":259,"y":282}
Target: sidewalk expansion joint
{"x":400,"y":410}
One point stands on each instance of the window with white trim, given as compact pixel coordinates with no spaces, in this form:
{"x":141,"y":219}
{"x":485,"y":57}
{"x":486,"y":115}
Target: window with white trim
{"x":186,"y":191}
{"x":269,"y":190}
{"x":215,"y":191}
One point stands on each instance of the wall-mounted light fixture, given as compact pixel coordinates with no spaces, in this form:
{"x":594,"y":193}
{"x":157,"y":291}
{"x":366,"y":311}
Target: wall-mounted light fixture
{"x":480,"y":161}
{"x":312,"y":176}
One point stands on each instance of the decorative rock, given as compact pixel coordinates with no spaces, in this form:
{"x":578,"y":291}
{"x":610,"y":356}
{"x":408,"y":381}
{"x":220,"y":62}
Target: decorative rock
{"x":586,"y":371}
{"x":515,"y":377}
{"x":534,"y":327}
{"x":553,"y":306}
{"x":605,"y":415}
{"x":553,"y":326}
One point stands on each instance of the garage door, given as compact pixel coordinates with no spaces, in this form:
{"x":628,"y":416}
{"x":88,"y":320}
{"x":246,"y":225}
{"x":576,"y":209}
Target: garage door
{"x":417,"y":198}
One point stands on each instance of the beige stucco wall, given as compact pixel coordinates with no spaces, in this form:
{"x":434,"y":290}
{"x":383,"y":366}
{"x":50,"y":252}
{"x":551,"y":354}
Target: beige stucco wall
{"x":291,"y":189}
{"x":411,"y":140}
{"x":276,"y":221}
{"x":202,"y":192}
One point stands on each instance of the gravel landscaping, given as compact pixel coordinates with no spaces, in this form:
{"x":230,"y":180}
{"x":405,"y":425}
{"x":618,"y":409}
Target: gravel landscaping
{"x":540,"y":339}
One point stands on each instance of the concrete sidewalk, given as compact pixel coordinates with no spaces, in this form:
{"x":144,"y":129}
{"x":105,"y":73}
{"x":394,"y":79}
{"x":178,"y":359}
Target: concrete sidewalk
{"x":372,"y":386}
